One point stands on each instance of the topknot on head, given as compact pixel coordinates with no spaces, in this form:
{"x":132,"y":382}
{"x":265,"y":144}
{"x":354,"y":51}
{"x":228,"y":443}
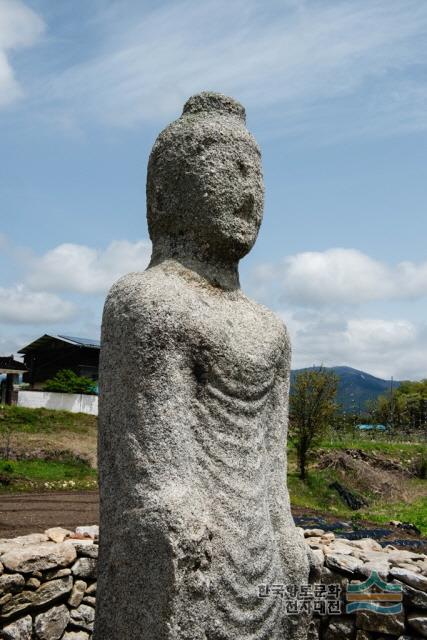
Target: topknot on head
{"x":209,"y":102}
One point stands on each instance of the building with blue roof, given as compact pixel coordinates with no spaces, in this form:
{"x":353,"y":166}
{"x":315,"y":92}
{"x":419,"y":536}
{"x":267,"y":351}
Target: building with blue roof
{"x":47,"y":355}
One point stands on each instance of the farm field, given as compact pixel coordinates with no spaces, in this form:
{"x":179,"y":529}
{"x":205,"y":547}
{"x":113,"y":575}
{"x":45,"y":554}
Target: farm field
{"x":48,"y":474}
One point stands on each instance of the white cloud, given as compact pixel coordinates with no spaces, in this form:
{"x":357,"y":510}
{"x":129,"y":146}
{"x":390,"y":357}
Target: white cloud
{"x":323,"y":293}
{"x":19,"y":27}
{"x":411,"y":279}
{"x":18,"y":305}
{"x":8,"y":346}
{"x":382,"y":347}
{"x":327,"y":300}
{"x":342,"y":276}
{"x":82,"y":269}
{"x":281,"y":56}
{"x":337,"y":275}
{"x":379,"y":334}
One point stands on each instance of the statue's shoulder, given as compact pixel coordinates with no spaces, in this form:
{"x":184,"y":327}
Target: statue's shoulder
{"x":136,"y":286}
{"x":150,"y":295}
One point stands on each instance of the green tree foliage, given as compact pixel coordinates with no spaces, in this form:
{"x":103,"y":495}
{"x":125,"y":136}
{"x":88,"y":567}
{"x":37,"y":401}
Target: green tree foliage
{"x":66,"y":381}
{"x":312,"y":409}
{"x":405,"y":408}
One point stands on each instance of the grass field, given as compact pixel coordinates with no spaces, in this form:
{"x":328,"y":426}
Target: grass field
{"x":44,"y":431}
{"x":23,"y":420}
{"x":315,"y":493}
{"x":46,"y":475}
{"x":403,"y":450}
{"x":42,"y":449}
{"x":55,"y":450}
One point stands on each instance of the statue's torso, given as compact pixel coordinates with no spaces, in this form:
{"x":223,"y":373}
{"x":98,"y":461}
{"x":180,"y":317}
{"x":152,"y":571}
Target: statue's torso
{"x":231,"y":354}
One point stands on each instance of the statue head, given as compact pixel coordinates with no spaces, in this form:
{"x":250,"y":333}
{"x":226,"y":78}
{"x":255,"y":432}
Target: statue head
{"x":204,"y":184}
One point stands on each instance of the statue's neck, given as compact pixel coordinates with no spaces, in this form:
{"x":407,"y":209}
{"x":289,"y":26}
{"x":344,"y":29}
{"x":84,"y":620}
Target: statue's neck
{"x":221,"y":273}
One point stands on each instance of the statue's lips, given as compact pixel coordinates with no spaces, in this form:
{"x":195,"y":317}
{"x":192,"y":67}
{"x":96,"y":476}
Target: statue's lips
{"x":246,"y":210}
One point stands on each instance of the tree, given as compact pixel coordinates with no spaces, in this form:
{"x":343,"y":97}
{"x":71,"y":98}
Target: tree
{"x":405,"y":408}
{"x":66,"y":381}
{"x":312,"y":408}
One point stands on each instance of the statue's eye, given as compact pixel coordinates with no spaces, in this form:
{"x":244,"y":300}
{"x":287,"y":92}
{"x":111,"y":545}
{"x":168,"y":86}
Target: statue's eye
{"x":243,"y":168}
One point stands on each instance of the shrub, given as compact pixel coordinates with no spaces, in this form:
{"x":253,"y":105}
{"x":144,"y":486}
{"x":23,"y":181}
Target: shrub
{"x":66,"y":381}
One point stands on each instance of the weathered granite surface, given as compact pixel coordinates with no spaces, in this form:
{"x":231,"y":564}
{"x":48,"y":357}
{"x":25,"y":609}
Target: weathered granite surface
{"x":194,"y":381}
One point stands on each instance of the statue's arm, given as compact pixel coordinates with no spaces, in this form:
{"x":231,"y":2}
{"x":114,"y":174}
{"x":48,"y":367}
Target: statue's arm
{"x":277,"y":438}
{"x":295,"y":554}
{"x":146,"y":393}
{"x":154,"y":529}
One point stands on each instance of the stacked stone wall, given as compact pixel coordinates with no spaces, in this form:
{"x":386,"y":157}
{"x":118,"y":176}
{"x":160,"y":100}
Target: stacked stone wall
{"x":48,"y":586}
{"x":344,"y":562}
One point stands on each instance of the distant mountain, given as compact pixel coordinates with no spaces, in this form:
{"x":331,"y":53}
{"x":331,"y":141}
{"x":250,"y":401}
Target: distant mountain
{"x":355,"y":387}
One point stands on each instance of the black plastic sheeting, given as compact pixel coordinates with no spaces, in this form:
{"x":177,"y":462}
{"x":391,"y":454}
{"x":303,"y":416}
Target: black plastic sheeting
{"x":343,"y":529}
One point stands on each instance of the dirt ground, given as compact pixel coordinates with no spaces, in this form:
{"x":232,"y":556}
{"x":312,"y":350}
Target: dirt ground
{"x":34,"y":512}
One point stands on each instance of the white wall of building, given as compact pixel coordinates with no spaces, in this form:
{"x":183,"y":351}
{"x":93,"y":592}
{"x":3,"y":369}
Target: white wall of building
{"x":75,"y":402}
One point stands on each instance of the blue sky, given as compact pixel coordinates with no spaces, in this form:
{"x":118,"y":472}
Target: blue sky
{"x":336,"y":95}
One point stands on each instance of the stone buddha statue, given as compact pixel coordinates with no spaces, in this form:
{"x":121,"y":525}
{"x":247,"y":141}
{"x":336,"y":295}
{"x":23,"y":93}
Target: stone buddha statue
{"x":194,"y":380}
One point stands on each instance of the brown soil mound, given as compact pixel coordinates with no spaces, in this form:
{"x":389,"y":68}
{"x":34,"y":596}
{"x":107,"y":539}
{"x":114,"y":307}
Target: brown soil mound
{"x":379,"y":461}
{"x":366,"y":472}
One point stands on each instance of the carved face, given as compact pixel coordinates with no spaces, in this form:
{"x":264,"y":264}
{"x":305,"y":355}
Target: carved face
{"x":228,"y":187}
{"x":206,"y":182}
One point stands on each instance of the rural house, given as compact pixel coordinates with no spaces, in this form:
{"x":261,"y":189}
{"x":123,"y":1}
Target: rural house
{"x":47,"y":355}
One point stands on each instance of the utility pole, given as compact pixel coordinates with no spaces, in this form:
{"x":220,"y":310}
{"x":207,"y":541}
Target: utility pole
{"x":391,"y":404}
